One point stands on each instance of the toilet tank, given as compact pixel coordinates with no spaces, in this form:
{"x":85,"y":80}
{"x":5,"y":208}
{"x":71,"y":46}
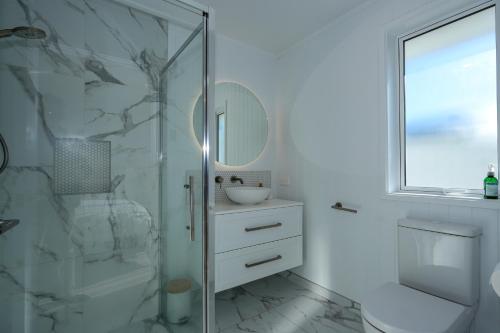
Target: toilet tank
{"x":440,"y":258}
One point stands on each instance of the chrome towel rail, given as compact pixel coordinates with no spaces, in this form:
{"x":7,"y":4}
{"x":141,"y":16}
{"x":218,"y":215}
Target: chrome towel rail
{"x":339,"y":206}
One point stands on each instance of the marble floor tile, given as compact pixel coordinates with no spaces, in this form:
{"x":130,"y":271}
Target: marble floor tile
{"x":275,"y":290}
{"x":319,"y":315}
{"x":267,"y":322}
{"x":275,"y":304}
{"x":227,"y":311}
{"x":249,"y":300}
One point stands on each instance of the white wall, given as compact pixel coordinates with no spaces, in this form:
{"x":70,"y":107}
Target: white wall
{"x":254,"y":69}
{"x":330,"y":146}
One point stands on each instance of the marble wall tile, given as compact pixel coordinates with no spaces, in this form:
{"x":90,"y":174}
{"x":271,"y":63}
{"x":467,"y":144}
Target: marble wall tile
{"x":128,"y":281}
{"x":85,"y":262}
{"x":42,"y":297}
{"x":28,"y":141}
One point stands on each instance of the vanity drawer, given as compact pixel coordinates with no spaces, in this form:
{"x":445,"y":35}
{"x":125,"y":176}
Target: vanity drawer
{"x":244,"y":265}
{"x":237,"y":230}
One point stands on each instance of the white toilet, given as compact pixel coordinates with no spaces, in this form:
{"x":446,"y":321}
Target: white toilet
{"x":438,"y":290}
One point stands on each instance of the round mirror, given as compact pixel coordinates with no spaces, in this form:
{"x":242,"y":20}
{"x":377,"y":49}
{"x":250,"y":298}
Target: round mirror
{"x":241,"y":124}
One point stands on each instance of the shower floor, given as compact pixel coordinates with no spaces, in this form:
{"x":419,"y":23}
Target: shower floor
{"x":146,"y":326}
{"x":156,"y":326}
{"x":275,"y":304}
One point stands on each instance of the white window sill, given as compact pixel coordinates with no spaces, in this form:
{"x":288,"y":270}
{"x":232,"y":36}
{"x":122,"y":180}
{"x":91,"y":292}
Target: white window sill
{"x":467,"y":200}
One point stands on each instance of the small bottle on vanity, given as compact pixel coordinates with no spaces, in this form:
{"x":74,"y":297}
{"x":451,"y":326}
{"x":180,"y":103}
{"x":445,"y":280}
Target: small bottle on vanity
{"x":491,"y":184}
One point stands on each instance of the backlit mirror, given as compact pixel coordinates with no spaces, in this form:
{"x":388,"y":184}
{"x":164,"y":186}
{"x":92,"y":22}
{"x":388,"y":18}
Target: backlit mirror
{"x":241,"y":124}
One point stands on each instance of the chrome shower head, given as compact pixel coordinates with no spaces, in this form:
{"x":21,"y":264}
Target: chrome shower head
{"x":24,"y":32}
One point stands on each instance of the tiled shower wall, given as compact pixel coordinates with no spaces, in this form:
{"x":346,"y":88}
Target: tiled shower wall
{"x":80,"y":262}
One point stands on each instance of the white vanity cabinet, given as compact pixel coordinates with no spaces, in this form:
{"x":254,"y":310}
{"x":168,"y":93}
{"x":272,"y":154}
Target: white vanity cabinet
{"x":252,"y":242}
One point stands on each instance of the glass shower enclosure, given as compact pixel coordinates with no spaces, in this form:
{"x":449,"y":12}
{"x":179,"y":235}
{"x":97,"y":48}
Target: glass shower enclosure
{"x":104,"y":192}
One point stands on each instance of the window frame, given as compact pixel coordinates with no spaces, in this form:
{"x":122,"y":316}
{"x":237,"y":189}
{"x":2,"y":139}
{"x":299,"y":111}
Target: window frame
{"x":220,"y":115}
{"x":401,"y":105}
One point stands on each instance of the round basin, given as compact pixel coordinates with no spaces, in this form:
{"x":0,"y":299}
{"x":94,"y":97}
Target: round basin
{"x":247,"y":195}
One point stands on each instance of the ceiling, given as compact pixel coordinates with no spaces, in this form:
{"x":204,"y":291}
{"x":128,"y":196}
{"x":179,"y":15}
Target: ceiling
{"x":275,"y":25}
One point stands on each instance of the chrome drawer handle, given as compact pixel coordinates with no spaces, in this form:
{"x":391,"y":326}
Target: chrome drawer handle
{"x":269,"y":226}
{"x":278,"y":257}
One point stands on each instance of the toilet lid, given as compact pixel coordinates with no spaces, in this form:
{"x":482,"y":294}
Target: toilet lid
{"x":394,"y":308}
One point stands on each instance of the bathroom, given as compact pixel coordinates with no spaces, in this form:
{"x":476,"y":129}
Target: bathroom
{"x":118,"y":163}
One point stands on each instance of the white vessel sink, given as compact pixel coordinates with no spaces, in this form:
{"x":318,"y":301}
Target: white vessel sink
{"x":247,"y":195}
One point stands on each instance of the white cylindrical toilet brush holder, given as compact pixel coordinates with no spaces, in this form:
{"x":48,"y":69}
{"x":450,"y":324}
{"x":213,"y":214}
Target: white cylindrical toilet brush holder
{"x":178,"y":303}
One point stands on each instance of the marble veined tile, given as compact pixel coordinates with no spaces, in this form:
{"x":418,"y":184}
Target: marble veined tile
{"x":267,"y":322}
{"x":145,"y":326}
{"x":247,"y":301}
{"x":250,"y":300}
{"x":319,"y":315}
{"x":276,"y":304}
{"x":238,"y":304}
{"x":41,"y":297}
{"x":275,"y":290}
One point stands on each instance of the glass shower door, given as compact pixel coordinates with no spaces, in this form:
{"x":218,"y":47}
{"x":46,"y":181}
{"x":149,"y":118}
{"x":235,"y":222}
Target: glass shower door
{"x":101,"y":181}
{"x":182,"y":189}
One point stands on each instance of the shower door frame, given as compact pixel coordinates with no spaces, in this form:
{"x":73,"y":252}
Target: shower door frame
{"x":208,"y":169}
{"x":209,"y":172}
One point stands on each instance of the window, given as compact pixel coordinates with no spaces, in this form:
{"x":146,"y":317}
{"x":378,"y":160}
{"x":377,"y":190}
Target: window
{"x":221,"y":137}
{"x":448,"y":107}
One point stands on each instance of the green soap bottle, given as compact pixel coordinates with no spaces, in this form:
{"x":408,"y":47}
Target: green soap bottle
{"x":491,"y":184}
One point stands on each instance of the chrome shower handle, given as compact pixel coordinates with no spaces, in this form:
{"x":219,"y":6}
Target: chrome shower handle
{"x":6,"y":225}
{"x":190,"y":188}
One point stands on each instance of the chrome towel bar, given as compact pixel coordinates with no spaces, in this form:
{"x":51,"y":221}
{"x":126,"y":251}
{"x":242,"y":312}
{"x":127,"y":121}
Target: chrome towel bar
{"x":339,"y":206}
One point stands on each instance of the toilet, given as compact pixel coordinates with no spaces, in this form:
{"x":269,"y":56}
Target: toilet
{"x":438,"y":289}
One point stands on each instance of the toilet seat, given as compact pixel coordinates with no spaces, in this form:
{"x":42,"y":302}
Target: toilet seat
{"x":394,"y":308}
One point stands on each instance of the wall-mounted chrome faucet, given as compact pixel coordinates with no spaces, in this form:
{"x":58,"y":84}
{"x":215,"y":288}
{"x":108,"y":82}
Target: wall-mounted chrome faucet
{"x":235,"y":179}
{"x":219,"y":180}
